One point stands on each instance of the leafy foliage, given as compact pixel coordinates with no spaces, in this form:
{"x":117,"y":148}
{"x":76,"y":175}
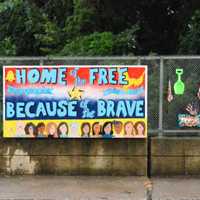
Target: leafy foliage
{"x":125,"y":42}
{"x":7,"y":48}
{"x":94,"y":44}
{"x":190,"y":39}
{"x":49,"y":27}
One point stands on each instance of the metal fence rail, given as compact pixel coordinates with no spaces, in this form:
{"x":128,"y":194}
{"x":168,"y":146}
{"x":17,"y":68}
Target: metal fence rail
{"x":162,"y":115}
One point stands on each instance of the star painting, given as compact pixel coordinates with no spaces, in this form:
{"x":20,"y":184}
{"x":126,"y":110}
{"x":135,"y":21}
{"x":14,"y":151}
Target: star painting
{"x":75,"y":94}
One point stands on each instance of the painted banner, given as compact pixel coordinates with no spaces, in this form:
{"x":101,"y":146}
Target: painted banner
{"x":75,"y":101}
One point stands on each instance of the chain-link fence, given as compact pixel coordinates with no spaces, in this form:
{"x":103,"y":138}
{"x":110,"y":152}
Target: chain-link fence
{"x":162,"y":111}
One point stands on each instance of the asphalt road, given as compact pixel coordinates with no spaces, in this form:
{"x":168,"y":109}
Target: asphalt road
{"x":96,"y":188}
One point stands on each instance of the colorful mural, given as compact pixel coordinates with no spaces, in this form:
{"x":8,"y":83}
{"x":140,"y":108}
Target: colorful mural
{"x":75,"y":101}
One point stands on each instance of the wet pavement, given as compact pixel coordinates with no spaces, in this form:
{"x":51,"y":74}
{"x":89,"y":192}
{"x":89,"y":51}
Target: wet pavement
{"x":96,"y":188}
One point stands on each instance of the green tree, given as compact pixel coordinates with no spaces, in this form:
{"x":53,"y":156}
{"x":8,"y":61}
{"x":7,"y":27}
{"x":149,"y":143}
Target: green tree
{"x":102,"y":44}
{"x":190,"y":38}
{"x":125,"y":42}
{"x":57,"y":11}
{"x":7,"y":47}
{"x":28,"y":27}
{"x":92,"y":45}
{"x":83,"y":20}
{"x":41,"y":27}
{"x":48,"y":41}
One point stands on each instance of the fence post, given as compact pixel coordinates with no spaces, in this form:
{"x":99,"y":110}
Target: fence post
{"x":41,"y":61}
{"x":139,"y":60}
{"x":160,"y":125}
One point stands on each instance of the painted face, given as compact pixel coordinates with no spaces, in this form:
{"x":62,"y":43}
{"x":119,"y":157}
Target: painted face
{"x":20,"y":127}
{"x":86,"y":129}
{"x":31,"y":130}
{"x":108,"y":128}
{"x":118,"y":128}
{"x":52,"y":130}
{"x":74,"y":129}
{"x":97,"y":129}
{"x":140,"y":129}
{"x":129,"y":129}
{"x":41,"y":129}
{"x":63,"y":129}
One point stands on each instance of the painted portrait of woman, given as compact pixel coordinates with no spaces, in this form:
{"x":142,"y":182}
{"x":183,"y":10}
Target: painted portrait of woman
{"x":30,"y":130}
{"x":96,"y":129}
{"x":129,"y":129}
{"x":63,"y":130}
{"x":41,"y":130}
{"x":85,"y":129}
{"x":51,"y":130}
{"x":107,"y":130}
{"x":140,"y":129}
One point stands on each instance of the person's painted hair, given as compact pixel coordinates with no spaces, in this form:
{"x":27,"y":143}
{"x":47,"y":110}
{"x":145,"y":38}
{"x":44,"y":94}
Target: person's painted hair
{"x":93,"y":125}
{"x":26,"y":129}
{"x":61,"y":124}
{"x":105,"y":125}
{"x":82,"y":128}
